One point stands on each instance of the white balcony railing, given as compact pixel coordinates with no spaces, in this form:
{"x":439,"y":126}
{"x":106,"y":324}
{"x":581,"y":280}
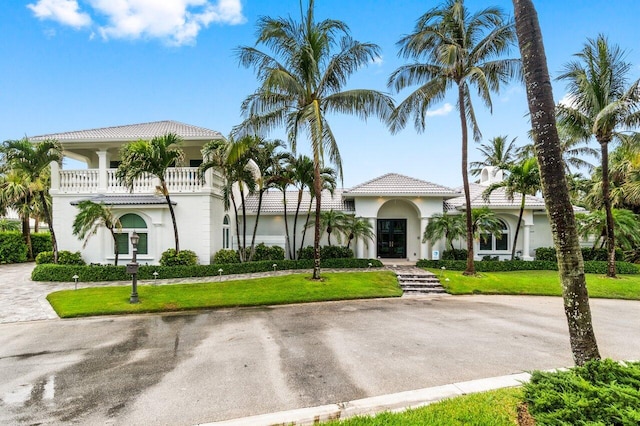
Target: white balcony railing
{"x":88,"y":181}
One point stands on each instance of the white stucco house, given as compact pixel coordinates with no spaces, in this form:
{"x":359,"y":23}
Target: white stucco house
{"x":398,"y":207}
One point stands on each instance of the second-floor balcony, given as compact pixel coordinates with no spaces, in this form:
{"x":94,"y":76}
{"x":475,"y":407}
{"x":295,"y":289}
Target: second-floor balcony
{"x":95,"y":181}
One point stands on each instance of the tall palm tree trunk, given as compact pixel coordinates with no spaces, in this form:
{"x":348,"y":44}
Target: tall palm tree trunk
{"x":515,"y":238}
{"x":470,"y":269}
{"x":306,"y":225}
{"x":26,"y":235}
{"x":255,"y":226}
{"x":47,"y":214}
{"x":295,"y":223}
{"x":243,"y":249}
{"x":554,"y":183}
{"x":115,"y":245}
{"x":235,"y":213}
{"x":286,"y":224}
{"x":606,"y":196}
{"x":317,"y":187}
{"x":173,"y":214}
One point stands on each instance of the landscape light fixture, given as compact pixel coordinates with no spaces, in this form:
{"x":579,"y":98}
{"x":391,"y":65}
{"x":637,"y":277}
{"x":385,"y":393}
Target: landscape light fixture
{"x":132,"y":268}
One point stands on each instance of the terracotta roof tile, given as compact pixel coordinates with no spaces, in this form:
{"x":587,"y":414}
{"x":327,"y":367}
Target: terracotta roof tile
{"x":397,"y":184}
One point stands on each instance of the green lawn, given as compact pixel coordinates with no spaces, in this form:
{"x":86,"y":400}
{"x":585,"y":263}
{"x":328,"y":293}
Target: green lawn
{"x":545,"y":283}
{"x":494,"y":408}
{"x":295,"y":288}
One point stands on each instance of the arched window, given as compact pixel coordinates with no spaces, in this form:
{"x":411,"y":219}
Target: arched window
{"x":489,"y":242}
{"x":226,"y":233}
{"x":132,"y":222}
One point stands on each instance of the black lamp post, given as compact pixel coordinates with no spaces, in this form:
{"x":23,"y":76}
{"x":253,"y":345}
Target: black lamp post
{"x":132,"y":268}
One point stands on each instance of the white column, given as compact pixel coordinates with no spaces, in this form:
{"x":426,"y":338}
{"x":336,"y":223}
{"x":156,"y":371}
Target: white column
{"x":102,"y":171}
{"x":55,"y":178}
{"x":373,"y":244}
{"x":526,"y":254}
{"x":360,"y":248}
{"x":424,"y":246}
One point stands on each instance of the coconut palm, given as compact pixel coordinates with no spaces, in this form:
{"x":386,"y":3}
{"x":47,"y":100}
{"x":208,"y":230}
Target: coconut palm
{"x":554,"y":184}
{"x":356,"y":228}
{"x":499,"y":152}
{"x":444,"y":225}
{"x":451,"y":46}
{"x":91,"y":217}
{"x":301,"y":81}
{"x":523,"y":179}
{"x":152,"y":157}
{"x":32,"y":162}
{"x":602,"y":104}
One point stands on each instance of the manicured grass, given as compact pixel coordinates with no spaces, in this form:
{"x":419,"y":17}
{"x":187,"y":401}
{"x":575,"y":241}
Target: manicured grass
{"x":295,"y":288}
{"x":543,"y":283}
{"x":495,"y":408}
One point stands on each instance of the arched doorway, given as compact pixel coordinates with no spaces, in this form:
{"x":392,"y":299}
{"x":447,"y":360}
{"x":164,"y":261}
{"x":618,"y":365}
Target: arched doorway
{"x":397,"y":230}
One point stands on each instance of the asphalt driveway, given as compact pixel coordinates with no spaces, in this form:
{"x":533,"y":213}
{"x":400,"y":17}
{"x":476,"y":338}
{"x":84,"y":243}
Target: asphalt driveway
{"x":192,"y":368}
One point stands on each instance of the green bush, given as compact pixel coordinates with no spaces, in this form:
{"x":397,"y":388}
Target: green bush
{"x":489,"y":258}
{"x":588,"y":254}
{"x":12,"y":247}
{"x":65,"y":257}
{"x":326,"y":252}
{"x":182,"y":258}
{"x":41,"y":242}
{"x":92,"y":273}
{"x":455,"y":254}
{"x":598,"y":393}
{"x":591,"y":267}
{"x":226,"y":256}
{"x":268,"y":253}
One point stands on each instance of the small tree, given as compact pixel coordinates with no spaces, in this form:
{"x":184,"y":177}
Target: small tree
{"x":356,"y":227}
{"x":90,"y":218}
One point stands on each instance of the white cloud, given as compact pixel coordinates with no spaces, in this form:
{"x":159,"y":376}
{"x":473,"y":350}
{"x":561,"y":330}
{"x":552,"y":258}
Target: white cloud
{"x":65,"y":12}
{"x":378,"y":60}
{"x":443,"y":110}
{"x":177,"y":22}
{"x":568,"y":100}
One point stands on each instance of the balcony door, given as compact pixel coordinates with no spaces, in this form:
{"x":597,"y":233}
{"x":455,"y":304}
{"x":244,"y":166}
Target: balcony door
{"x":392,"y":238}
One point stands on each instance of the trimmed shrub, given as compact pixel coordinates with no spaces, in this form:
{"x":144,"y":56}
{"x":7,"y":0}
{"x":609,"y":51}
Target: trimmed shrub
{"x":327,"y":252}
{"x":92,"y":273}
{"x":263,"y":252}
{"x":226,"y":256}
{"x":488,"y":258}
{"x":588,"y":253}
{"x":590,"y":267}
{"x":65,"y":257}
{"x":598,"y":393}
{"x":455,"y":254}
{"x":12,"y":247}
{"x":41,"y":242}
{"x":182,"y":258}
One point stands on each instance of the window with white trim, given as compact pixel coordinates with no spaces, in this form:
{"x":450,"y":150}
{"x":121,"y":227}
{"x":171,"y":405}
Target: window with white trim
{"x":490,"y":242}
{"x":132,"y":222}
{"x":226,"y":233}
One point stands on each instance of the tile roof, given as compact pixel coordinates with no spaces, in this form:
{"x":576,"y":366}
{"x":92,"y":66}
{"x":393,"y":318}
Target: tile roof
{"x":498,"y":198}
{"x":397,"y":184}
{"x":133,"y":132}
{"x":125,"y":200}
{"x":272,"y":202}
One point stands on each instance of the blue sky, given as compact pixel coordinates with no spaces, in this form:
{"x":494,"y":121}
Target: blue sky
{"x":81,"y":64}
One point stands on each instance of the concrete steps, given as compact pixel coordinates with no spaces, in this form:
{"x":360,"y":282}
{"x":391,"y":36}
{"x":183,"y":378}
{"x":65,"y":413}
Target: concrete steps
{"x":414,"y":280}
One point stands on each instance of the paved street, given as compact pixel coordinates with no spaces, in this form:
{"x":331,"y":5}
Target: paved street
{"x":191,"y":368}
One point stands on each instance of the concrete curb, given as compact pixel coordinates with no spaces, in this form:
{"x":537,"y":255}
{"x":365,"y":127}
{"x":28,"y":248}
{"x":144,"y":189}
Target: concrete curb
{"x":393,"y":402}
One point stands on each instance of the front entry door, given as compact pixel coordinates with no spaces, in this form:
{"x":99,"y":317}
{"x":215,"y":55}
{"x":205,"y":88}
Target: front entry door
{"x":392,"y":238}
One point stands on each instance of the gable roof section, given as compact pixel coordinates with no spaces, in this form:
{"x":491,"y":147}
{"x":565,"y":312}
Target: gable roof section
{"x":272,"y":202}
{"x":397,"y":184}
{"x":133,"y":132}
{"x":498,"y":198}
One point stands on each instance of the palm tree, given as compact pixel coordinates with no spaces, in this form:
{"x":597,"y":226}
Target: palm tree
{"x":594,"y":224}
{"x":152,"y":157}
{"x":356,"y":227}
{"x":90,"y":218}
{"x":523,"y":179}
{"x":302,"y":81}
{"x":232,"y":160}
{"x":328,"y":178}
{"x":300,"y":171}
{"x":499,"y":152}
{"x":457,"y":48}
{"x":18,"y":193}
{"x":332,"y":220}
{"x":554,"y":184}
{"x":485,"y":223}
{"x":444,"y":225}
{"x":601,"y":105}
{"x":32,"y":163}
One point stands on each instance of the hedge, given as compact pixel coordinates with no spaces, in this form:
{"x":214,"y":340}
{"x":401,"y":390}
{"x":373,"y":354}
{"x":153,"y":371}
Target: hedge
{"x":41,"y":242}
{"x":549,"y":253}
{"x":590,"y":267}
{"x":12,"y":247}
{"x":326,"y":252}
{"x":93,"y":273}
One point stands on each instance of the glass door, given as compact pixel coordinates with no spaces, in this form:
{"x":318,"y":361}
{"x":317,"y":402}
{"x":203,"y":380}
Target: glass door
{"x":392,"y":238}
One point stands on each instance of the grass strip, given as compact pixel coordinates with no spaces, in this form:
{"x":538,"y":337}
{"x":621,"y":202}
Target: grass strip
{"x":295,"y":288}
{"x":537,"y":283}
{"x":495,"y":408}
